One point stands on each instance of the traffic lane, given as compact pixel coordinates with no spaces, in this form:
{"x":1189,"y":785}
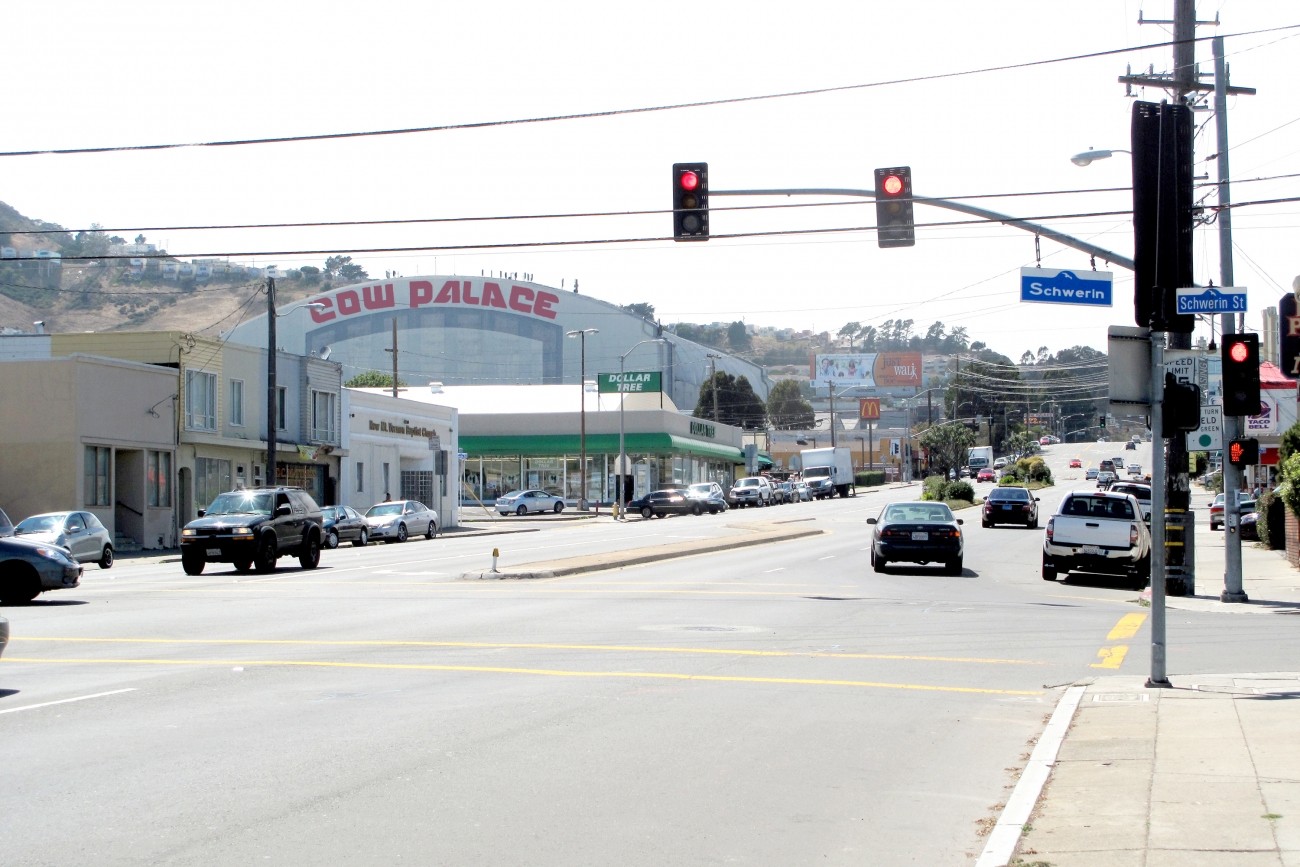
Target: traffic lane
{"x":738,"y":729}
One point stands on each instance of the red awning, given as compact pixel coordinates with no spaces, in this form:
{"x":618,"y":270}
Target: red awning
{"x":1272,"y":377}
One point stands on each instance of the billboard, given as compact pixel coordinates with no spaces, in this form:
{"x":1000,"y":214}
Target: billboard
{"x":868,"y":370}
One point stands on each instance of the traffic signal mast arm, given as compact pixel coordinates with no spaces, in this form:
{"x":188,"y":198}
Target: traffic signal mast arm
{"x":1033,"y":228}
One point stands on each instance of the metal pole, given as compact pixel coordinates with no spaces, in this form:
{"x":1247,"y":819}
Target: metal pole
{"x":622,"y":450}
{"x":582,"y":414}
{"x":271,"y":402}
{"x":1232,"y":583}
{"x":830,"y":390}
{"x":713,"y":382}
{"x":1158,"y":677}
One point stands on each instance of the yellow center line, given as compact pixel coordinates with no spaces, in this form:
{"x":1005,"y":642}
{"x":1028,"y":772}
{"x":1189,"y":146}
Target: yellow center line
{"x":543,"y":672}
{"x":496,"y":645}
{"x":1127,"y":627}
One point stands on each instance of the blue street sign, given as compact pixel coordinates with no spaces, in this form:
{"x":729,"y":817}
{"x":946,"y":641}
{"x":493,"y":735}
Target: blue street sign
{"x":1093,"y":288}
{"x":1211,"y":299}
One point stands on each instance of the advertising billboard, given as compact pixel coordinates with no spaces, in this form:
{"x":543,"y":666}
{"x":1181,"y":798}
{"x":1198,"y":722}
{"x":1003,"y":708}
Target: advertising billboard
{"x":868,"y":370}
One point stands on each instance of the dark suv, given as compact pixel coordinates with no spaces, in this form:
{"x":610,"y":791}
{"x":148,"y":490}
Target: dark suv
{"x":253,"y":528}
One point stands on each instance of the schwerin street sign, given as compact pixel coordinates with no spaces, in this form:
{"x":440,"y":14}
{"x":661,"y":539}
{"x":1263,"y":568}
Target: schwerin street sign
{"x":630,"y":382}
{"x":1211,"y":299}
{"x":1093,"y":288}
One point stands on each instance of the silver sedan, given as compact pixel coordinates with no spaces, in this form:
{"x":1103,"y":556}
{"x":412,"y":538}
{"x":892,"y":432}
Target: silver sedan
{"x":523,"y":502}
{"x":397,"y":520}
{"x":79,"y":532}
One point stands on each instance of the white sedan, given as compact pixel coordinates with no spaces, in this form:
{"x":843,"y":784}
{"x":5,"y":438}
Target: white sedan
{"x":523,"y":502}
{"x":398,"y":520}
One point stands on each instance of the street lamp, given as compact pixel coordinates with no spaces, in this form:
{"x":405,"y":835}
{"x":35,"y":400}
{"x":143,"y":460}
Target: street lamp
{"x":622,"y":436}
{"x":1087,"y":157}
{"x":272,"y":402}
{"x":581,"y":334}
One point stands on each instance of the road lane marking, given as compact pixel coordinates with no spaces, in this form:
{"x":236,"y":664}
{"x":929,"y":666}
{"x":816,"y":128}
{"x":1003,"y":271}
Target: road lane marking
{"x":67,"y":700}
{"x":502,"y":645}
{"x":1113,"y":657}
{"x":540,"y":672}
{"x":1127,"y":627}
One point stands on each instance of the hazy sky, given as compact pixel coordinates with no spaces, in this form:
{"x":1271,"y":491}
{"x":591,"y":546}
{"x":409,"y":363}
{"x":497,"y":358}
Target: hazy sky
{"x":896,"y":84}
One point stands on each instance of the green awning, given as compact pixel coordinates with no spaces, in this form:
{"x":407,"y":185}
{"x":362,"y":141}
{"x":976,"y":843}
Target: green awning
{"x":571,"y":444}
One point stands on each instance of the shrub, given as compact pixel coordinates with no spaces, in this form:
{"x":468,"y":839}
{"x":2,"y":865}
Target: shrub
{"x":869,"y":479}
{"x":933,"y":488}
{"x":959,"y":490}
{"x":1271,"y":523}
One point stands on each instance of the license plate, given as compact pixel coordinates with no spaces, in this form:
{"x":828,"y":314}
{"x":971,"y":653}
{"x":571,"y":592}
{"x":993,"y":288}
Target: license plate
{"x":1091,"y":549}
{"x":920,"y":536}
{"x":214,"y":552}
{"x":1007,"y":508}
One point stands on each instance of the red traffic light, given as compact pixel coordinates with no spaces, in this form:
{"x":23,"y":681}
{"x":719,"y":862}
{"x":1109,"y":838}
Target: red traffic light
{"x":689,"y":181}
{"x":1238,"y":352}
{"x":1235,"y":449}
{"x":892,"y":185}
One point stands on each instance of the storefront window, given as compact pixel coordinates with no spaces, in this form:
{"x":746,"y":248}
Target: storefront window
{"x":498,"y":476}
{"x":545,"y":474}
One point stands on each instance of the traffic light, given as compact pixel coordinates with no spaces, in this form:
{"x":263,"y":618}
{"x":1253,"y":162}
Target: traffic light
{"x":1243,"y":452}
{"x":690,"y":201}
{"x":1240,"y":374}
{"x":894,"y":226}
{"x":1181,"y":407}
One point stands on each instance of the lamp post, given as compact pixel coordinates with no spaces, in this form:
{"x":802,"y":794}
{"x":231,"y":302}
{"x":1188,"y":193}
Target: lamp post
{"x":581,"y":334}
{"x":622,"y":435}
{"x":1087,"y":157}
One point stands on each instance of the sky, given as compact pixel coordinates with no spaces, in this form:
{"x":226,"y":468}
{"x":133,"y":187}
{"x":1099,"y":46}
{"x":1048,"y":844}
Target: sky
{"x":986,"y":102}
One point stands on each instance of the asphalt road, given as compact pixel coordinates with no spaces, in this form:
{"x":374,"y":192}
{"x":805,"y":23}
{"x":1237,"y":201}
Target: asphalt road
{"x":774,"y":705}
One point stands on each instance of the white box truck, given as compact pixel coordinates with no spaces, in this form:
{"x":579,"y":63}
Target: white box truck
{"x":828,"y":472}
{"x":979,"y":458}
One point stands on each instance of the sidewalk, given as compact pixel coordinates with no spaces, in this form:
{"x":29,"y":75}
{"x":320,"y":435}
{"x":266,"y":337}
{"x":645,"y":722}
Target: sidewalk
{"x":1202,"y":774}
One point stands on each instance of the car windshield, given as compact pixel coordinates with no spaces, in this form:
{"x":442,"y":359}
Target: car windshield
{"x":1019,"y":494}
{"x":747,"y":483}
{"x":916,"y":512}
{"x":40,"y":524}
{"x":701,"y":489}
{"x":241,"y":503}
{"x":384,"y":510}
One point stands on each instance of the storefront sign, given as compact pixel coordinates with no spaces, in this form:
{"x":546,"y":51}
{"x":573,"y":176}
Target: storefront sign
{"x":413,"y":294}
{"x":702,"y":429}
{"x":631,"y":382}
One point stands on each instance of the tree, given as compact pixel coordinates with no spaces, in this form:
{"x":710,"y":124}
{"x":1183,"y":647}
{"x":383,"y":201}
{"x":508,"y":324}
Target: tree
{"x":738,"y":405}
{"x":947,"y":445}
{"x":310,"y":274}
{"x":787,"y":409}
{"x":851,"y":330}
{"x":139,"y":239}
{"x":372,"y":379}
{"x":352,"y":273}
{"x":738,"y":336}
{"x":641,"y":308}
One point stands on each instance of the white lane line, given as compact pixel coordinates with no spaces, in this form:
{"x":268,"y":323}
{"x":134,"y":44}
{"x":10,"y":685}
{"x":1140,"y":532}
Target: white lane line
{"x":830,"y":557}
{"x":770,"y":571}
{"x":66,"y":700}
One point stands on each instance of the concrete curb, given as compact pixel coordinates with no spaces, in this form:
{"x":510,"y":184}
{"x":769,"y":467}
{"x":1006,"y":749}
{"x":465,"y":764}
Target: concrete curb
{"x":764,"y":534}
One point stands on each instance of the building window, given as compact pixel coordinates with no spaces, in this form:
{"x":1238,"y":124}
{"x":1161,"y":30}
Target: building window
{"x":324,"y":406}
{"x":98,"y":465}
{"x":200,"y":400}
{"x":237,"y":402}
{"x":281,"y":398}
{"x":211,"y":477}
{"x":159,"y":481}
{"x":361,"y":477}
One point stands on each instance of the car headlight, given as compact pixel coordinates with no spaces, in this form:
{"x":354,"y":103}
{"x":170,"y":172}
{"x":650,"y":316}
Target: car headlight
{"x":189,"y":532}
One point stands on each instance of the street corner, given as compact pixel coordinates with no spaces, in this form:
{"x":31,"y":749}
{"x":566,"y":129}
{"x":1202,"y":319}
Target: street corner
{"x":506,"y":575}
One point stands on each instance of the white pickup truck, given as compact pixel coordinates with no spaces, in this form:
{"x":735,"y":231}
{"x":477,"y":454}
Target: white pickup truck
{"x":1098,"y":532}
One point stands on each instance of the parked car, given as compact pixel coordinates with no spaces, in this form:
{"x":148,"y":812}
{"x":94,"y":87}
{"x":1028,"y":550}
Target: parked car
{"x":1010,"y":505}
{"x":6,"y":525}
{"x":669,"y":501}
{"x":4,"y":635}
{"x":751,"y":491}
{"x":398,"y":520}
{"x":28,"y":569}
{"x":1076,"y":463}
{"x":999,"y":463}
{"x":1248,"y":526}
{"x":1245,"y":504}
{"x":533,"y":500}
{"x":802,"y":492}
{"x":986,"y":475}
{"x":252,"y":528}
{"x":709,"y":495}
{"x":783,"y":492}
{"x":917,"y":532}
{"x":344,"y":524}
{"x":80,"y":532}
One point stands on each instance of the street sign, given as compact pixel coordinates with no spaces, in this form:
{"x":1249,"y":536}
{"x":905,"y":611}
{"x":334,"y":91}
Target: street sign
{"x":1211,"y":299}
{"x":1192,"y":368}
{"x":1092,"y":288}
{"x":631,"y":382}
{"x":1209,"y":437}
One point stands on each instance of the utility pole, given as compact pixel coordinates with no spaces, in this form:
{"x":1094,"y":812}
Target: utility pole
{"x":271,"y":389}
{"x":830,"y":390}
{"x":393,"y":350}
{"x":713,"y":381}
